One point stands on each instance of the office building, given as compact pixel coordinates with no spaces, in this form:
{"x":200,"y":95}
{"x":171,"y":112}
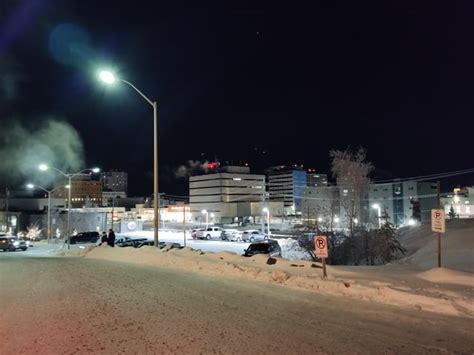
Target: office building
{"x":231,"y":194}
{"x":287,"y":184}
{"x":114,"y":181}
{"x":84,"y":192}
{"x":403,"y":201}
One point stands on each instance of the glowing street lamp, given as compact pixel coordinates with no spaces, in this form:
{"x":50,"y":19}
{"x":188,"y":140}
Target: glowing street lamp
{"x":44,"y":167}
{"x":109,"y":78}
{"x":207,"y":217}
{"x":31,"y":187}
{"x":267,"y":211}
{"x":377,"y":207}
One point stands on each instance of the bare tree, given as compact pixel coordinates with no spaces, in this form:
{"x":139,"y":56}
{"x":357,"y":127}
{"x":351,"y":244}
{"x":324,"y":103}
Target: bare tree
{"x":351,"y":171}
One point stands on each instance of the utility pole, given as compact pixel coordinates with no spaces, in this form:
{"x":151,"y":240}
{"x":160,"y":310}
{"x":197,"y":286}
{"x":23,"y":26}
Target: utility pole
{"x":439,"y":234}
{"x":263,"y":204}
{"x":184,"y":224}
{"x":7,"y":195}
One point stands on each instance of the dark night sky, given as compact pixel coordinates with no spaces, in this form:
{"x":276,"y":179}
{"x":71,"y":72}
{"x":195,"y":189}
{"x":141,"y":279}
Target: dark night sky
{"x":237,"y":79}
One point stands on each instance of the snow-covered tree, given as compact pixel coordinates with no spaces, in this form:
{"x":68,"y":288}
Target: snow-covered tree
{"x":452,"y":213}
{"x":351,"y":171}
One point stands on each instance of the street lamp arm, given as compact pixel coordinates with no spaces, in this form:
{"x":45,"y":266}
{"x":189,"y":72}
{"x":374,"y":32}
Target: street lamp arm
{"x":60,"y":171}
{"x":141,"y":94}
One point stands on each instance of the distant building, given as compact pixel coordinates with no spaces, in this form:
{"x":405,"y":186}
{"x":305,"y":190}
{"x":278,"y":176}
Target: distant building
{"x":462,"y":202}
{"x":321,"y":202}
{"x":314,"y":179}
{"x":403,"y":201}
{"x":114,"y":181}
{"x":84,"y":192}
{"x":287,"y":184}
{"x":230,"y":194}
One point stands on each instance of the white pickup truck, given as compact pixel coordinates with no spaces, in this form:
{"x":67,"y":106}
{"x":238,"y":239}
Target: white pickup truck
{"x":210,"y":233}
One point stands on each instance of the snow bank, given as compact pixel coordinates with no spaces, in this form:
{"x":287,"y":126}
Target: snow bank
{"x":292,"y":251}
{"x":443,"y":275}
{"x":457,"y":245}
{"x":382,"y":286}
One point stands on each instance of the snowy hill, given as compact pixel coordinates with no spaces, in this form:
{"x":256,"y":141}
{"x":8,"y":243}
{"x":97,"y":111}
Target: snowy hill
{"x":457,"y":245}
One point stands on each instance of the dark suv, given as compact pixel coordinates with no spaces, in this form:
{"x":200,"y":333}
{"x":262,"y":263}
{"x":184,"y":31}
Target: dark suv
{"x":85,"y":237}
{"x":12,"y":244}
{"x":269,"y":247}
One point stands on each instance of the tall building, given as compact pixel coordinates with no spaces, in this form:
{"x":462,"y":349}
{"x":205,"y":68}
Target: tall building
{"x":114,"y":181}
{"x":287,"y":184}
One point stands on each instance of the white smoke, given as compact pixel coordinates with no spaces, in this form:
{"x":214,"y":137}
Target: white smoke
{"x":190,"y":168}
{"x":23,"y":148}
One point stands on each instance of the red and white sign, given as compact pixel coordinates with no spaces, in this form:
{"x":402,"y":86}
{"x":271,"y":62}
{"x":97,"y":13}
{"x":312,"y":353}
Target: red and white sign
{"x":321,"y":246}
{"x":438,"y":221}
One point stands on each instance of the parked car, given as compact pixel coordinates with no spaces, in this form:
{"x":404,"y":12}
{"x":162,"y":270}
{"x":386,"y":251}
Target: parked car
{"x":269,"y":247}
{"x":84,"y":237}
{"x":253,"y":235}
{"x":161,"y":245}
{"x":209,"y":233}
{"x":12,"y":244}
{"x":129,"y":242}
{"x":229,"y":234}
{"x":195,"y":232}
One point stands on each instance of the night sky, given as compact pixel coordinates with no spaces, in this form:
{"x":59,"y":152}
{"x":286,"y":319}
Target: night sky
{"x":250,"y":82}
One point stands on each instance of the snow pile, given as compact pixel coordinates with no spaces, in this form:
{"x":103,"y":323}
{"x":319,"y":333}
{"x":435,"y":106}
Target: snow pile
{"x":292,"y":251}
{"x":457,"y":245}
{"x":443,"y":275}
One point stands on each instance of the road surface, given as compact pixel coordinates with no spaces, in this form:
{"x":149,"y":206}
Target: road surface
{"x":77,"y":306}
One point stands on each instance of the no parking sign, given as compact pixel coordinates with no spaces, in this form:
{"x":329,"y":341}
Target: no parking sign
{"x":321,"y":246}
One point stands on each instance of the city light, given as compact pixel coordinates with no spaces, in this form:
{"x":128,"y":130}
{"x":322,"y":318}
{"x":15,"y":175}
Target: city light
{"x":30,"y":186}
{"x":107,"y":77}
{"x":43,"y":167}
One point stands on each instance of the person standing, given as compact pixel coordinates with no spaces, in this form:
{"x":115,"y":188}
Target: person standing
{"x":111,"y":238}
{"x":103,"y":239}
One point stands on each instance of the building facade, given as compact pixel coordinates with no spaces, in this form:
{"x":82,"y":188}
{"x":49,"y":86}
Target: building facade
{"x":403,"y":201}
{"x":287,"y":184}
{"x":84,"y":192}
{"x":114,"y":181}
{"x":461,"y":200}
{"x":228,"y":195}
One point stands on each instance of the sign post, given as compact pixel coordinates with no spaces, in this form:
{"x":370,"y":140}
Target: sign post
{"x":438,"y":223}
{"x":321,"y":248}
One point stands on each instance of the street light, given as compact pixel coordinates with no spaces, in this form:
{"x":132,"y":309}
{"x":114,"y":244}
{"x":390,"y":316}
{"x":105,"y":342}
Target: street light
{"x":44,"y":167}
{"x":207,"y":217}
{"x":267,"y":211}
{"x":379,"y":212}
{"x":109,"y":78}
{"x":49,"y":192}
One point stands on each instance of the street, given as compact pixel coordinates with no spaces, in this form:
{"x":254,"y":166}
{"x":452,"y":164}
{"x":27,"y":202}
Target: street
{"x":77,"y":305}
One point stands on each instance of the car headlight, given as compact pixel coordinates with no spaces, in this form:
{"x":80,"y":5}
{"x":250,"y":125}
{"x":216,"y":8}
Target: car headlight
{"x":16,"y":243}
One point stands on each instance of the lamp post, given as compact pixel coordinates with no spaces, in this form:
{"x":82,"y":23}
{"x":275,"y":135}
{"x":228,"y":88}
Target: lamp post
{"x":379,"y":212}
{"x":267,"y":211}
{"x":213,"y":218}
{"x":207,"y":217}
{"x":109,"y":78}
{"x":44,"y":167}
